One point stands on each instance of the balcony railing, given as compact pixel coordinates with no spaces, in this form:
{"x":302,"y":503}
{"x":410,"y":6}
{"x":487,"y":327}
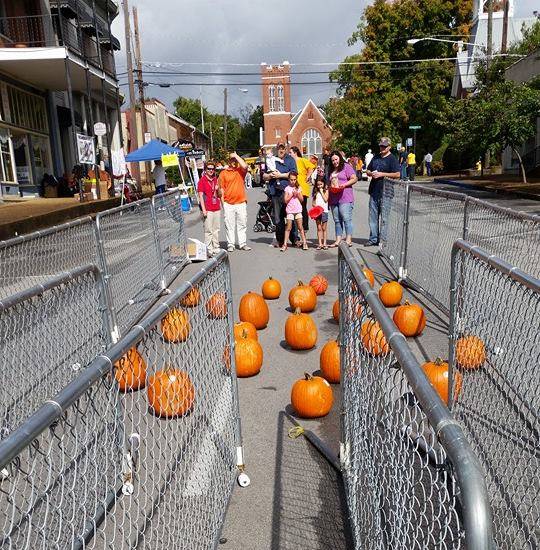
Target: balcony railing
{"x":39,"y":31}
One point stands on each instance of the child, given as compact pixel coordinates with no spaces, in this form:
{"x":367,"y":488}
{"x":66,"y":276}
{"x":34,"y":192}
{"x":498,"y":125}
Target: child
{"x":270,"y":160}
{"x":320,"y":198}
{"x":293,"y":199}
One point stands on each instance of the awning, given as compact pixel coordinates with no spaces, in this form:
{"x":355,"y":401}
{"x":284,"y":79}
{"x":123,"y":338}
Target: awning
{"x":153,"y":150}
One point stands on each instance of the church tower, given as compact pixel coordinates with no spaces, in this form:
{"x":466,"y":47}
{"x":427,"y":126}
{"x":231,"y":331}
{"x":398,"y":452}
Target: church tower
{"x":480,"y":10}
{"x":276,"y":93}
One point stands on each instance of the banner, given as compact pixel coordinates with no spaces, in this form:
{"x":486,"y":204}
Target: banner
{"x":86,"y":151}
{"x":170,"y":160}
{"x":118,"y":160}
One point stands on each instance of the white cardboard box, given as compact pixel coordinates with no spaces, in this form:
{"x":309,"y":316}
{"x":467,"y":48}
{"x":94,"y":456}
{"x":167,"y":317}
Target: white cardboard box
{"x":196,"y":250}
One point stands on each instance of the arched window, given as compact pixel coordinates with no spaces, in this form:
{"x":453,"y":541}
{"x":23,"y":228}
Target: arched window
{"x":281,"y":98}
{"x":312,"y":142}
{"x":272,"y":97}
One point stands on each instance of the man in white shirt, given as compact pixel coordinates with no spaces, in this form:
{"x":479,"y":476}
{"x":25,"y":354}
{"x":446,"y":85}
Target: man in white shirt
{"x":159,"y":177}
{"x":428,"y":159}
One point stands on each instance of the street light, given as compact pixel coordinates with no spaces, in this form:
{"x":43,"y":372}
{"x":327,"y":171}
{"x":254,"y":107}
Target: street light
{"x":460,"y":43}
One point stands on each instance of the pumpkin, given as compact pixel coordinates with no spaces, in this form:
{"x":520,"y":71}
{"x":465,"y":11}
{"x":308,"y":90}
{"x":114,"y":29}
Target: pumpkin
{"x":437,"y":374}
{"x":192,"y":298}
{"x":248,"y":355}
{"x":312,"y":397}
{"x":130,"y":371}
{"x":470,"y":352}
{"x":391,"y":294}
{"x":410,"y":319}
{"x":329,"y":362}
{"x":300,"y":331}
{"x":170,"y":392}
{"x":175,"y":326}
{"x":216,"y":306}
{"x":303,"y":296}
{"x":319,"y":284}
{"x":226,"y":358}
{"x":247,"y":327}
{"x":271,"y":289}
{"x":373,"y":338}
{"x":369,"y":275}
{"x":335,"y":311}
{"x":254,"y":309}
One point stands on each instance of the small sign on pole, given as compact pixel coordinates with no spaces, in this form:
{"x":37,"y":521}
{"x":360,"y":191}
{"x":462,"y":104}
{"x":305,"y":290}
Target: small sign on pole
{"x":409,"y":142}
{"x":147,"y":137}
{"x":86,"y":151}
{"x":170,"y":160}
{"x":100,"y":128}
{"x":415,"y":127}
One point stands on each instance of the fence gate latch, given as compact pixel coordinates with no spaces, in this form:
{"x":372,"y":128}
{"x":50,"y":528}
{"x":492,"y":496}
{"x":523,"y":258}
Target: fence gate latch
{"x":129,"y":464}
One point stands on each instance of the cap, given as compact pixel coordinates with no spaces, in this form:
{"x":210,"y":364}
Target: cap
{"x":384,"y":141}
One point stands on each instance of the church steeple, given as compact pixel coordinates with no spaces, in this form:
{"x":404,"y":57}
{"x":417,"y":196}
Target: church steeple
{"x":480,"y":10}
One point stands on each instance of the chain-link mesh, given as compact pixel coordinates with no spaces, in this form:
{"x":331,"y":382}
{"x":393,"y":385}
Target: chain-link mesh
{"x":121,"y":467}
{"x":131,"y":261}
{"x":400,"y":486}
{"x":495,"y":354}
{"x":395,"y":198}
{"x":31,"y":259}
{"x":171,"y":233}
{"x":47,"y":335}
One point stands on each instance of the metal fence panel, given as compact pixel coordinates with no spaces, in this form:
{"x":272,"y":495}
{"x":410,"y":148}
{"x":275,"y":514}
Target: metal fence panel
{"x":404,"y":474}
{"x":395,"y":205}
{"x":171,"y":233}
{"x":498,"y":385}
{"x":130,"y":259}
{"x":47,"y":335}
{"x":31,"y":259}
{"x":100,"y":469}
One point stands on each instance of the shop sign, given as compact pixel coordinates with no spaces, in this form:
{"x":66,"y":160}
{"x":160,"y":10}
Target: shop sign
{"x":85,"y":149}
{"x":100,"y":128}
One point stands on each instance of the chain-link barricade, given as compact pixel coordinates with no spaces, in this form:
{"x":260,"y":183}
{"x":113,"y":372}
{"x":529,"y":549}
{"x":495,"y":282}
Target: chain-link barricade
{"x":494,"y":358}
{"x":395,"y":212}
{"x":508,"y":234}
{"x":142,"y":449}
{"x":171,"y":234}
{"x":48,"y":334}
{"x":130,"y":259}
{"x":32,"y":259}
{"x":411,"y":479}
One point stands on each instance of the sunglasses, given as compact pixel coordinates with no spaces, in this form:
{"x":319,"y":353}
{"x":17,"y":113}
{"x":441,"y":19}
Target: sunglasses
{"x":210,"y":168}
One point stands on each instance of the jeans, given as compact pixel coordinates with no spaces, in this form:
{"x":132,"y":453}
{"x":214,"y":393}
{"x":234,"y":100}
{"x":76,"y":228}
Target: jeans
{"x":379,"y":208}
{"x":411,"y":171}
{"x":428,"y":168}
{"x":342,"y":214}
{"x":403,"y":171}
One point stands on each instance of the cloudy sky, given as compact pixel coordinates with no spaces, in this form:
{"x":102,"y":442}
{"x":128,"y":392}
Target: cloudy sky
{"x":216,"y":34}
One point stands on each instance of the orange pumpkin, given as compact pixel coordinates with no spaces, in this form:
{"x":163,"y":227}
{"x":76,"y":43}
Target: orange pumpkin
{"x":373,"y":338}
{"x":470,"y":352}
{"x":312,"y":397}
{"x":271,"y":289}
{"x":216,"y":306}
{"x":437,"y":374}
{"x":130,"y":371}
{"x":300,"y":331}
{"x":391,"y":294}
{"x":248,"y":355}
{"x":175,"y":326}
{"x":335,"y":311}
{"x":170,"y":392}
{"x":247,"y":327}
{"x":319,"y":284}
{"x":303,"y":296}
{"x":369,"y":275}
{"x":192,"y":298}
{"x":410,"y":319}
{"x":329,"y":362}
{"x":254,"y":309}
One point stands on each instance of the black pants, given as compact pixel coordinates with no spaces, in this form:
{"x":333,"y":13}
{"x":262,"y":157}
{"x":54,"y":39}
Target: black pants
{"x":305,"y":217}
{"x":411,"y":171}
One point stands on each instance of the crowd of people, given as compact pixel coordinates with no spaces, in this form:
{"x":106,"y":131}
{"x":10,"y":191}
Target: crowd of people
{"x":298,"y":189}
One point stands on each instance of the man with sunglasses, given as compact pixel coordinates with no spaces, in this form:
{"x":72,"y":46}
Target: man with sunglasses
{"x":383,"y":165}
{"x":210,"y":203}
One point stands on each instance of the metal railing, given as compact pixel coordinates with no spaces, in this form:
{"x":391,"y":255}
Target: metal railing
{"x":143,"y":447}
{"x":423,"y":223}
{"x":411,"y":478}
{"x":494,"y":357}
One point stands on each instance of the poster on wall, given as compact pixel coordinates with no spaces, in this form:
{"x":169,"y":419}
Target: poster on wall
{"x":86,"y":150}
{"x":23,"y":175}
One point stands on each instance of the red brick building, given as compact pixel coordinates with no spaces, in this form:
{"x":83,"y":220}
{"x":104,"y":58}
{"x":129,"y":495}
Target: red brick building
{"x":307,"y":129}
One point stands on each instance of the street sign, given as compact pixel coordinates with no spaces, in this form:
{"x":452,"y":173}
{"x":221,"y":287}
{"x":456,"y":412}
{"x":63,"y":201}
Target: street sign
{"x":100,"y":129}
{"x":409,"y":142}
{"x":415,"y":127}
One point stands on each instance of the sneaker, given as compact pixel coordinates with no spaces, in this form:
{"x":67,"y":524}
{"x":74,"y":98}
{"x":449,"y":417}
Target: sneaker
{"x":245,"y":247}
{"x":230,"y":249}
{"x":371,"y":244}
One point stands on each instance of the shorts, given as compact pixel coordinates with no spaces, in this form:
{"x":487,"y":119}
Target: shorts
{"x":323,"y":218}
{"x":291,"y":217}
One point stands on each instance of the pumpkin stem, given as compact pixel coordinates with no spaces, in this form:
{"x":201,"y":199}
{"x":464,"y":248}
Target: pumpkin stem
{"x":244,"y":334}
{"x":407,"y":303}
{"x":300,"y":283}
{"x":308,"y":376}
{"x":297,"y":311}
{"x":438,"y":361}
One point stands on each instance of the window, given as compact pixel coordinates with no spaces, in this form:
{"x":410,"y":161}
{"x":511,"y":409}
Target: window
{"x":272,"y":97}
{"x":7,"y":173}
{"x":281,"y":98}
{"x":26,"y":110}
{"x":312,"y":142}
{"x":278,"y":132}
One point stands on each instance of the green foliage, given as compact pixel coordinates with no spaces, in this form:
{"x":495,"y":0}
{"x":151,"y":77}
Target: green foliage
{"x":251,"y":119}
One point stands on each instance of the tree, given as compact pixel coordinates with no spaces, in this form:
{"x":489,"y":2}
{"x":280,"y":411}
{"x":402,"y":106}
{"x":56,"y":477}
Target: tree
{"x":385,"y":99}
{"x":251,"y":119}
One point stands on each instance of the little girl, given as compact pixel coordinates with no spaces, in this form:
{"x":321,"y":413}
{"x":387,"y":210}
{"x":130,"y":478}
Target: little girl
{"x":320,"y":198}
{"x":293,"y":199}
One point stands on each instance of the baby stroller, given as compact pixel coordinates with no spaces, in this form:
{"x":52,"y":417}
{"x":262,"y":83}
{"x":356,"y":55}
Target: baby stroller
{"x":264,"y":217}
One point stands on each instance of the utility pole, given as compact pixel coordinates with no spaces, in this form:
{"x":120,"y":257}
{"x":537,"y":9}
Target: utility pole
{"x":211,"y":142}
{"x":225,"y":121}
{"x":140,"y":81}
{"x":504,"y":45}
{"x":202,"y":110}
{"x":132,"y":111}
{"x":489,"y":56}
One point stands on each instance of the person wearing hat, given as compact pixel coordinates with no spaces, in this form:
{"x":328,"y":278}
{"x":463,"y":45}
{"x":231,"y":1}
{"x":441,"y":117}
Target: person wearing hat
{"x":383,"y":165}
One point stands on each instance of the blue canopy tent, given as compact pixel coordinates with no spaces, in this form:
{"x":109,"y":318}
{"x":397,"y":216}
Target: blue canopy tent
{"x":153,"y":151}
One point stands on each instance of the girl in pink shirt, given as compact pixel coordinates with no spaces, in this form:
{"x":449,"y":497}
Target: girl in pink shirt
{"x":293,"y":199}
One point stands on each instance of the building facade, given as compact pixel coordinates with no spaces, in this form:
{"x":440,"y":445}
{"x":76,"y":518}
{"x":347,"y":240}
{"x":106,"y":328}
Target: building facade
{"x":57,"y":79}
{"x":307,"y":129}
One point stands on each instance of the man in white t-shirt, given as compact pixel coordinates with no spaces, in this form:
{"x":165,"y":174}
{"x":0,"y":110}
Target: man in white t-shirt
{"x":428,"y":159}
{"x":159,"y":177}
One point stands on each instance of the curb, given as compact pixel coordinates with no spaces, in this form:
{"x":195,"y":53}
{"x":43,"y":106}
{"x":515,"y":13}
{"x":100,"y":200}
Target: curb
{"x":471,"y":186}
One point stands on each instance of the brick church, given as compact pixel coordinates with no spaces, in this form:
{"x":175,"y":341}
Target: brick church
{"x":307,"y":129}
